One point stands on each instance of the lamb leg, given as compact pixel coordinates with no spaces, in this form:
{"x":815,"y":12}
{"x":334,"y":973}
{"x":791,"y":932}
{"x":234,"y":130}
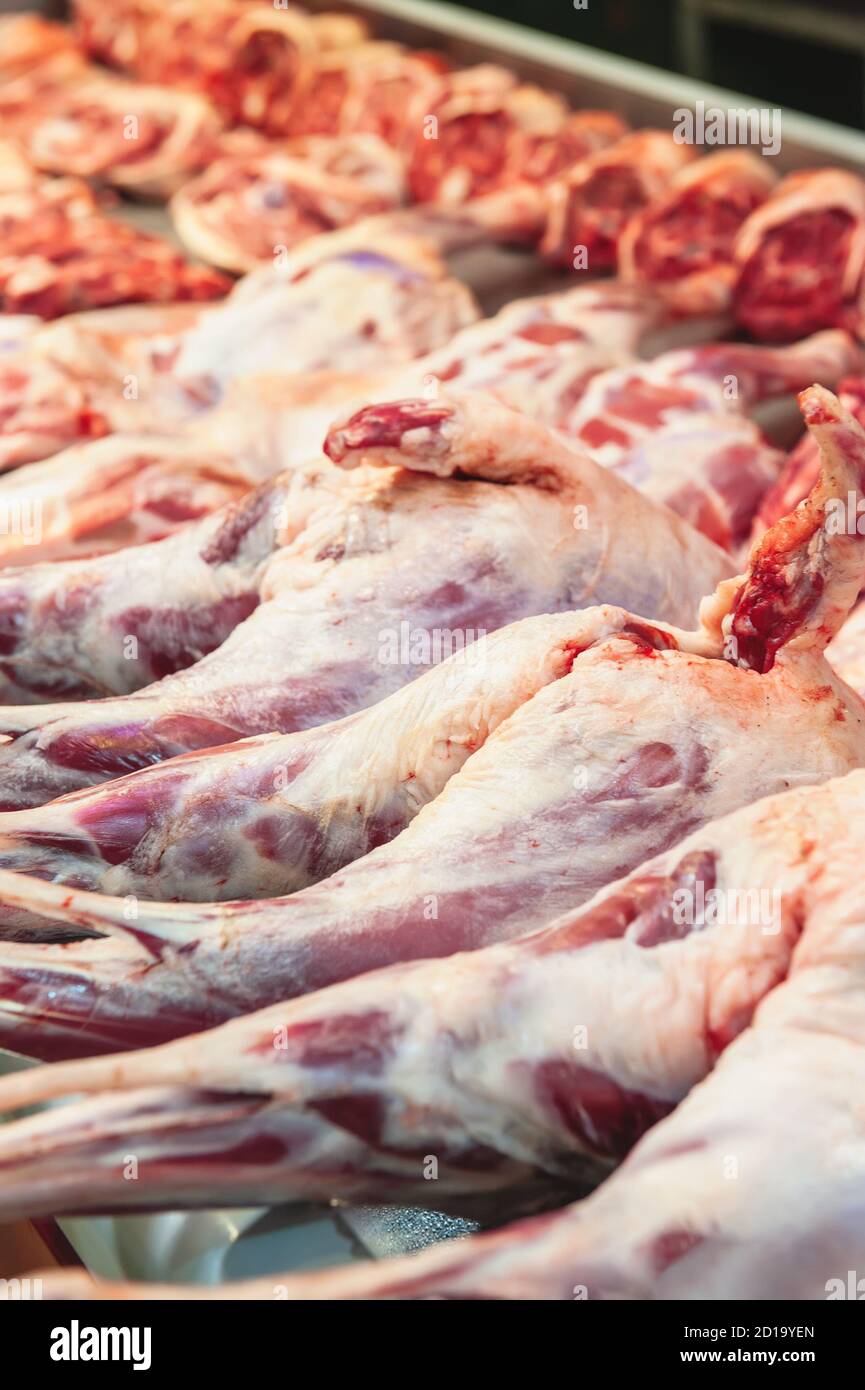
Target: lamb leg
{"x":702,"y":1207}
{"x":270,"y":815}
{"x":623,"y":406}
{"x":120,"y":491}
{"x":388,"y":549}
{"x":677,"y":427}
{"x":81,"y":628}
{"x":537,"y":1057}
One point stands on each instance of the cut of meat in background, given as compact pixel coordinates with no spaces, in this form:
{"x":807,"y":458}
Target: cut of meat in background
{"x":147,"y":140}
{"x":41,"y":412}
{"x":375,"y":88}
{"x":27,"y":41}
{"x":246,"y":59}
{"x":682,"y":243}
{"x":801,"y":258}
{"x":591,"y":203}
{"x":385,"y":306}
{"x":673,"y":426}
{"x":90,"y":262}
{"x":248,"y":208}
{"x":481,"y":130}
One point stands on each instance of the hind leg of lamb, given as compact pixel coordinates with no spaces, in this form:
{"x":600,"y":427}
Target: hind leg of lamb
{"x":82,"y":628}
{"x":702,"y":1207}
{"x":550,"y":532}
{"x":536,"y":1058}
{"x":270,"y":815}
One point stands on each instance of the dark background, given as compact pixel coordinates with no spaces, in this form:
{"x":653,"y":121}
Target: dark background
{"x":807,"y":56}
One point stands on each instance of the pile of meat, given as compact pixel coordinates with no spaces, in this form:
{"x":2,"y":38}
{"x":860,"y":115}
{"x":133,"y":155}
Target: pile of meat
{"x":426,"y":735}
{"x":269,"y":126}
{"x":60,"y":251}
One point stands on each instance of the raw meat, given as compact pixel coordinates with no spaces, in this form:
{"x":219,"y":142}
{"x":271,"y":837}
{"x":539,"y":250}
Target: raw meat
{"x":145,"y":139}
{"x":27,"y":41}
{"x":624,"y":405}
{"x":537,"y":529}
{"x":682,"y":243}
{"x":539,"y":354}
{"x":712,"y":470}
{"x":99,"y":346}
{"x":330,"y":794}
{"x":132,"y":488}
{"x":41,"y":412}
{"x":375,"y":88}
{"x":59,"y":252}
{"x":536,"y":354}
{"x":23,"y":95}
{"x":34,"y":219}
{"x":477,"y":132}
{"x":245,"y":58}
{"x":385,"y":306}
{"x":120,"y":491}
{"x":15,"y":172}
{"x":801,"y":256}
{"x":97,"y":262}
{"x":803,"y":463}
{"x":536,"y":1056}
{"x":249,"y":208}
{"x":137,"y":35}
{"x":647,"y":419}
{"x":64,"y":382}
{"x":590,"y":204}
{"x":480,"y":132}
{"x":616,"y":759}
{"x":110,"y":30}
{"x":582,"y":133}
{"x":83,"y":628}
{"x":34,"y":209}
{"x":700,"y":1209}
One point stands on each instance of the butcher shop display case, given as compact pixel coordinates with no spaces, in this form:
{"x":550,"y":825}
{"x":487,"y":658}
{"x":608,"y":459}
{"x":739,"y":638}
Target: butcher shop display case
{"x":521,"y":385}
